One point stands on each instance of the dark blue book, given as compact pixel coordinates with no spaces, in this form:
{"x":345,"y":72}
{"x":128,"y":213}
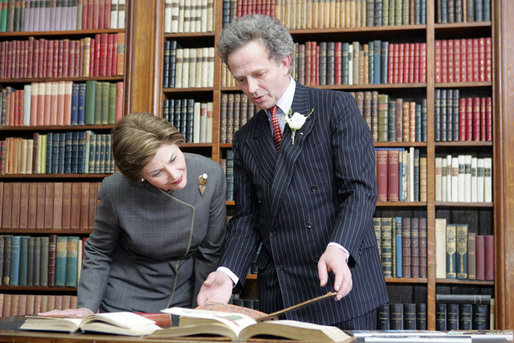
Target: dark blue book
{"x":81,"y":116}
{"x":62,"y":152}
{"x":24,"y":253}
{"x":36,"y":271}
{"x":384,"y":56}
{"x":68,"y":151}
{"x":49,"y":152}
{"x":71,"y":163}
{"x":81,"y":151}
{"x":166,"y":65}
{"x":30,"y":261}
{"x":92,"y":154}
{"x":229,"y":174}
{"x":173,"y":63}
{"x":75,"y":103}
{"x":371,"y":62}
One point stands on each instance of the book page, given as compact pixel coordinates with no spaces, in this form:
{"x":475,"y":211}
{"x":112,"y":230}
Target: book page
{"x":235,"y":321}
{"x":121,"y":319}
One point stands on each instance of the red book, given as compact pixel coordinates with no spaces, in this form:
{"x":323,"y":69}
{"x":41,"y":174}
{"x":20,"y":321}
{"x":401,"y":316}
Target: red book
{"x":469,"y":60}
{"x":338,"y":47}
{"x":109,"y":50}
{"x":437,"y":64}
{"x":114,"y":54}
{"x":401,"y":59}
{"x":456,"y":61}
{"x":475,"y":57}
{"x":417,"y":63}
{"x":488,"y":59}
{"x":97,"y":54}
{"x":392,"y":175}
{"x":406,"y":61}
{"x":50,"y":58}
{"x":95,"y":14}
{"x":412,"y":62}
{"x":34,"y":65}
{"x":463,"y":64}
{"x":481,"y":59}
{"x":476,"y":118}
{"x":390,"y":68}
{"x":308,"y":59}
{"x":58,"y":58}
{"x":101,"y":54}
{"x":483,"y":120}
{"x":489,"y":257}
{"x":489,"y":119}
{"x":66,"y":58}
{"x":480,"y":257}
{"x":449,"y":60}
{"x":92,"y":59}
{"x":395,"y":62}
{"x":462,"y":120}
{"x":24,"y":63}
{"x":423,"y":62}
{"x":382,"y":164}
{"x":444,"y":61}
{"x":469,"y":119}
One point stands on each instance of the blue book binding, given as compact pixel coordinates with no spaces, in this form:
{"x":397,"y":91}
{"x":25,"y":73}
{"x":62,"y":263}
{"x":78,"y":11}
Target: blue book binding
{"x":75,"y":104}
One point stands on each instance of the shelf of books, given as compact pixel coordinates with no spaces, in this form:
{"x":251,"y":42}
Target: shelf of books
{"x":62,"y":88}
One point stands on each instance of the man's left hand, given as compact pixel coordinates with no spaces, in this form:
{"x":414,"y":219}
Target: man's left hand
{"x":334,"y":259}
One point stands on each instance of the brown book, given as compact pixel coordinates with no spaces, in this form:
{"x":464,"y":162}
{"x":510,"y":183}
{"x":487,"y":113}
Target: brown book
{"x":414,"y":243}
{"x":58,"y":204}
{"x":76,"y":194}
{"x":40,"y":209}
{"x":52,"y":248}
{"x":50,"y":305}
{"x":422,"y":247}
{"x":121,"y":54}
{"x":93,"y":203}
{"x":15,"y":207}
{"x":30,"y":303}
{"x":7,"y":304}
{"x":423,"y":179}
{"x":49,"y":205}
{"x":66,"y":206}
{"x":32,"y":205}
{"x":24,"y":205}
{"x":1,"y":202}
{"x":381,"y":156}
{"x":392,"y":175}
{"x":22,"y":304}
{"x":84,"y":206}
{"x":7,"y":205}
{"x":489,"y":257}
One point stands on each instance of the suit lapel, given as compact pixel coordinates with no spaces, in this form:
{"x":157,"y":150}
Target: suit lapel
{"x":261,"y":145}
{"x":289,"y":152}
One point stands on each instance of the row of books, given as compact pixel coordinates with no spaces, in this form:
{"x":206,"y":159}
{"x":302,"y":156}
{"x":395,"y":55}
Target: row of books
{"x":188,"y":16}
{"x":401,"y":174}
{"x":46,"y":261}
{"x":62,"y":103}
{"x":462,"y":11}
{"x":355,"y":63}
{"x":22,"y":304}
{"x":463,"y":60}
{"x":402,"y":243}
{"x":462,"y":118}
{"x":48,"y":205}
{"x":101,"y":55}
{"x":462,"y":254}
{"x":187,"y":67}
{"x":72,"y":152}
{"x":402,"y":316}
{"x":235,"y":299}
{"x":235,"y":111}
{"x":464,"y":312}
{"x":192,"y":118}
{"x":41,"y":15}
{"x":393,"y":120}
{"x":463,"y":178}
{"x":310,"y":14}
{"x":227,"y":164}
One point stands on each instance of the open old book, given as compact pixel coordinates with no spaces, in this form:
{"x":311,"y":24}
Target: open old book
{"x":118,"y":323}
{"x":239,"y":327}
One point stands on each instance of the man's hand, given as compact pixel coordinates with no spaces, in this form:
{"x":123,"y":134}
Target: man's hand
{"x":216,"y":288}
{"x":334,"y":259}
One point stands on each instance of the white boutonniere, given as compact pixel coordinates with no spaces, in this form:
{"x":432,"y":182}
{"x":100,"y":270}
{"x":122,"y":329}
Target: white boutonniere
{"x":296,"y":121}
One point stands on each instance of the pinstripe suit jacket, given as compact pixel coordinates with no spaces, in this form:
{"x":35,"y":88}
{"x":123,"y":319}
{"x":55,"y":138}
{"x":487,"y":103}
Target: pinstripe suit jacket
{"x":150,"y":249}
{"x":321,"y":189}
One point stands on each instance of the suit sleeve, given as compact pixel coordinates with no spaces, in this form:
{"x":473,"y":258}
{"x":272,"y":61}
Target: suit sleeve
{"x":208,"y":254}
{"x":354,"y":167}
{"x":97,"y":252}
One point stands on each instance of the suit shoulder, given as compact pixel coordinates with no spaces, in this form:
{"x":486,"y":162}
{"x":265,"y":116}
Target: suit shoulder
{"x":199,"y":163}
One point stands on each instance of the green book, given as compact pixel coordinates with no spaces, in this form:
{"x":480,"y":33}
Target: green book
{"x":72,"y":261}
{"x":60,"y":261}
{"x":98,"y":104}
{"x":90,"y":102}
{"x":112,"y":103}
{"x":3,"y":16}
{"x":43,"y":261}
{"x":15,"y":260}
{"x":104,"y":93}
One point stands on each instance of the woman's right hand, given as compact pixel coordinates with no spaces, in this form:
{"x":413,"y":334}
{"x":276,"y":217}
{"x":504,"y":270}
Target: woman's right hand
{"x":70,"y":312}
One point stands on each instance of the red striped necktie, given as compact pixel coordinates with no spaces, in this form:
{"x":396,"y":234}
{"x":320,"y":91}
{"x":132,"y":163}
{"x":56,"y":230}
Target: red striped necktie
{"x":277,"y":133}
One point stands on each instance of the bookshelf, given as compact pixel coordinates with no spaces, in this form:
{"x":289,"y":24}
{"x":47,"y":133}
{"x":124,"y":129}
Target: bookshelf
{"x":63,"y":84}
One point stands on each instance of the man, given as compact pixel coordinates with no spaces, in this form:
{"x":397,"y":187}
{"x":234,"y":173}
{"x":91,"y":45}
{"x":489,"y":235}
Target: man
{"x":308,"y":198}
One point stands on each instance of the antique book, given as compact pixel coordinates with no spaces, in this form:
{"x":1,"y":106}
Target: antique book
{"x":120,"y":323}
{"x":239,"y":327}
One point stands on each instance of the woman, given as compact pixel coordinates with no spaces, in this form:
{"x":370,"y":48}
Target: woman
{"x":160,"y":223}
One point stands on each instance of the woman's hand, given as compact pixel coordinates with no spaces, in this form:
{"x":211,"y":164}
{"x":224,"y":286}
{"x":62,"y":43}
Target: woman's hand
{"x":70,"y":312}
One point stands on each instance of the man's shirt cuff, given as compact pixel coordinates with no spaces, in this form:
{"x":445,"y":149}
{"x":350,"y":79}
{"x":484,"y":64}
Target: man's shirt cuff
{"x":231,"y":275}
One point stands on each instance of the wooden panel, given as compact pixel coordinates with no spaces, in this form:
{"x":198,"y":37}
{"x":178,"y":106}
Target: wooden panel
{"x":504,"y":150}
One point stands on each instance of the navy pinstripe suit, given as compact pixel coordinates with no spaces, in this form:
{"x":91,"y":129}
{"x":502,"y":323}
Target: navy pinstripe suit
{"x":321,"y":189}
